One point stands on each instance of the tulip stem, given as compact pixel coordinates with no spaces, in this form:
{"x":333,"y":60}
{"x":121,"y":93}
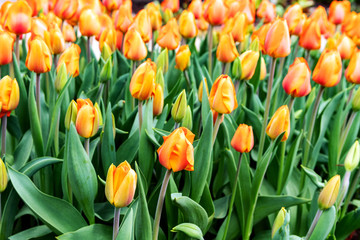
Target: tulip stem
{"x":313,"y":224}
{"x":87,"y":146}
{"x":307,"y":55}
{"x":160,"y":204}
{"x":186,"y":74}
{"x":56,"y":137}
{"x":281,"y":167}
{"x":140,"y":114}
{"x":0,"y":208}
{"x":216,"y":127}
{"x":232,"y":197}
{"x":309,"y":134}
{"x":88,"y":50}
{"x":17,"y":49}
{"x":116,"y":222}
{"x":3,"y":135}
{"x":55,"y":60}
{"x":291,"y":103}
{"x":351,"y":192}
{"x":344,"y":188}
{"x":226,"y":67}
{"x":239,"y":47}
{"x":38,"y":95}
{"x":267,"y":108}
{"x":210,"y":43}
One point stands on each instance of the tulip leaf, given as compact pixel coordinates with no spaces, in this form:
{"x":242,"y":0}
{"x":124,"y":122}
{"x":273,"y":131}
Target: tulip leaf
{"x":314,"y":177}
{"x":189,"y":229}
{"x":31,"y":233}
{"x":117,"y":89}
{"x":253,"y":120}
{"x":324,"y":225}
{"x":349,"y":223}
{"x":88,"y":77}
{"x":108,"y":153}
{"x":128,"y":149}
{"x":205,"y":105}
{"x":129,"y":100}
{"x":23,"y":150}
{"x":126,"y":230}
{"x":202,"y":156}
{"x":92,"y":232}
{"x":81,"y":173}
{"x":57,"y":214}
{"x":174,"y":92}
{"x":36,"y":164}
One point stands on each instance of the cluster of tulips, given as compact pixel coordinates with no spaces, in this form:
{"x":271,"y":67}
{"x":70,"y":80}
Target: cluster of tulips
{"x":107,"y":119}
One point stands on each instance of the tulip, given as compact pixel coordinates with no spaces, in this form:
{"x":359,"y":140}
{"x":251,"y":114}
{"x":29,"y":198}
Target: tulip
{"x":71,"y":114}
{"x":134,"y":46}
{"x":111,"y":5}
{"x":279,"y":123}
{"x":158,"y":96}
{"x":310,"y":37}
{"x":155,"y":16}
{"x":329,"y":194}
{"x":142,"y":24}
{"x":9,"y":95}
{"x":66,"y":9}
{"x":196,"y":8}
{"x":51,"y":18}
{"x":202,"y":24}
{"x":56,"y":40}
{"x":243,"y":139}
{"x":348,"y":24}
{"x":266,"y":11}
{"x":4,"y":12}
{"x":320,"y":16}
{"x":106,"y":52}
{"x":87,"y":119}
{"x":3,"y":177}
{"x":200,"y":91}
{"x":188,"y":28}
{"x":182,"y":58}
{"x":352,"y":157}
{"x":277,"y":41}
{"x":105,"y":22}
{"x":124,"y":19}
{"x":239,"y":29}
{"x":226,"y":51}
{"x":328,"y":70}
{"x":71,"y":57}
{"x":177,"y":151}
{"x":215,"y":13}
{"x":39,"y":58}
{"x":299,"y":27}
{"x":356,"y":101}
{"x":346,"y":47}
{"x":297,"y":81}
{"x":249,"y":61}
{"x":179,"y":108}
{"x":68,"y":33}
{"x":279,"y":221}
{"x":162,"y":61}
{"x":261,"y":34}
{"x":143,"y":80}
{"x":172,"y":5}
{"x":38,"y":28}
{"x":293,"y":16}
{"x":169,"y":35}
{"x":262,"y":69}
{"x":89,"y":24}
{"x":61,"y":78}
{"x":248,"y":7}
{"x":222,"y":96}
{"x":6,"y":48}
{"x":338,"y":10}
{"x":233,"y":7}
{"x":352,"y":72}
{"x":187,"y":121}
{"x":108,"y":36}
{"x":119,"y":40}
{"x":18,"y":18}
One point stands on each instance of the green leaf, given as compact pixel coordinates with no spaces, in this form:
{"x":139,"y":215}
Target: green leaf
{"x":255,"y":80}
{"x":348,"y":224}
{"x":314,"y":177}
{"x":23,"y":150}
{"x":57,"y":214}
{"x":324,"y":225}
{"x":126,"y":231}
{"x":92,"y":232}
{"x":108,"y":154}
{"x":31,"y":233}
{"x":205,"y":105}
{"x":88,"y":77}
{"x":81,"y":173}
{"x":36,"y":164}
{"x":189,"y":229}
{"x":128,"y":149}
{"x":254,"y":120}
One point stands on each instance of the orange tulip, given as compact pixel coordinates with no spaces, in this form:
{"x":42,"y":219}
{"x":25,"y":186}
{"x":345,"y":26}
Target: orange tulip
{"x":134,"y":46}
{"x":37,"y":5}
{"x":352,"y":72}
{"x":4,"y":12}
{"x":87,"y":119}
{"x":9,"y":95}
{"x":200,"y":91}
{"x":119,"y":39}
{"x":66,"y":9}
{"x":353,"y":30}
{"x":71,"y":58}
{"x":329,"y":194}
{"x":142,"y":24}
{"x":277,"y":41}
{"x":182,"y":57}
{"x":108,"y":36}
{"x":262,"y":69}
{"x":249,"y":61}
{"x":51,"y":18}
{"x":226,"y":51}
{"x":173,"y":5}
{"x":158,"y":96}
{"x":39,"y":58}
{"x":155,"y":16}
{"x":347,"y":25}
{"x":111,"y":5}
{"x":6,"y":48}
{"x":248,"y":7}
{"x":320,"y":16}
{"x":18,"y":18}
{"x":68,"y":33}
{"x":292,"y":16}
{"x":143,"y":81}
{"x":169,"y":35}
{"x":215,"y":12}
{"x":328,"y":70}
{"x":89,"y":24}
{"x":222,"y":97}
{"x":243,"y":139}
{"x":177,"y":151}
{"x":105,"y":22}
{"x":345,"y":46}
{"x":279,"y":123}
{"x":124,"y":19}
{"x":297,"y":81}
{"x":188,"y":28}
{"x":310,"y":38}
{"x":261,"y":34}
{"x":233,"y":7}
{"x":196,"y":8}
{"x":299,"y":27}
{"x":202,"y":24}
{"x":239,"y":29}
{"x":38,"y":27}
{"x":56,"y":39}
{"x":338,"y":10}
{"x":266,"y":11}
{"x":120,"y":185}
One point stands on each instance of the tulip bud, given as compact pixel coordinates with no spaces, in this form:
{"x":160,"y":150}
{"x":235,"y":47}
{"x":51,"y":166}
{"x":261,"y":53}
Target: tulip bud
{"x":142,"y":24}
{"x":196,"y":8}
{"x":310,"y":37}
{"x":297,"y":81}
{"x":188,"y":28}
{"x":279,"y":123}
{"x":97,"y":107}
{"x":356,"y":101}
{"x":277,"y":41}
{"x":168,"y":14}
{"x":66,"y":9}
{"x":187,"y":121}
{"x":6,"y":48}
{"x":160,"y":78}
{"x":61,"y":78}
{"x":120,"y":185}
{"x":9,"y":95}
{"x":249,"y":60}
{"x":158,"y":100}
{"x":177,"y":151}
{"x":352,"y":72}
{"x":163,"y":60}
{"x":142,"y":82}
{"x":169,"y":35}
{"x":255,"y":45}
{"x":88,"y":118}
{"x":39,"y":58}
{"x":236,"y":70}
{"x":155,"y":15}
{"x":89,"y":24}
{"x":179,"y":108}
{"x":352,"y":157}
{"x":124,"y":19}
{"x":3,"y":176}
{"x":243,"y":139}
{"x":226,"y":51}
{"x":222,"y":97}
{"x":293,"y":16}
{"x":134,"y":46}
{"x":279,"y":221}
{"x":200,"y":91}
{"x":56,"y":39}
{"x":71,"y":113}
{"x":106,"y":52}
{"x":68,"y":33}
{"x":262,"y":69}
{"x":106,"y":72}
{"x":329,"y":194}
{"x":108,"y":37}
{"x":71,"y":58}
{"x":182,"y":58}
{"x":328,"y":69}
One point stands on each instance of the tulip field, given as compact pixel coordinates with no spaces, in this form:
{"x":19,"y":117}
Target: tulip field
{"x":215,"y":119}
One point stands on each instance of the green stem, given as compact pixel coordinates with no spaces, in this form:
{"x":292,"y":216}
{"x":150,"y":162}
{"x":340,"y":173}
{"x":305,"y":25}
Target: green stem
{"x":313,"y":224}
{"x":56,"y":136}
{"x":210,"y":43}
{"x":38,"y":95}
{"x":55,"y":60}
{"x":140,"y":114}
{"x":239,"y":47}
{"x":267,"y":108}
{"x":232,"y":198}
{"x":187,"y":79}
{"x":307,"y":57}
{"x":3,"y":135}
{"x":116,"y":222}
{"x":351,"y":192}
{"x":291,"y":103}
{"x":160,"y":204}
{"x":216,"y":127}
{"x":226,"y":67}
{"x":100,"y":92}
{"x":106,"y":94}
{"x":281,"y":167}
{"x":176,"y":126}
{"x":17,"y":49}
{"x":87,"y":146}
{"x":88,"y":50}
{"x":344,"y":189}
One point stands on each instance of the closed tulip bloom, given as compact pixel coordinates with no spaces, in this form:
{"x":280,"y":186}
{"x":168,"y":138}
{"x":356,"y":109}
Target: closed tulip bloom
{"x":155,"y":16}
{"x":37,"y":5}
{"x":39,"y":58}
{"x":51,"y":18}
{"x":89,"y":24}
{"x":222,"y":97}
{"x":320,"y":16}
{"x":6,"y":48}
{"x":38,"y":27}
{"x":87,"y":119}
{"x":299,"y":27}
{"x":119,"y":40}
{"x":239,"y":29}
{"x":233,"y":7}
{"x":248,"y":7}
{"x":352,"y":72}
{"x":105,"y":22}
{"x":345,"y":46}
{"x":120,"y":185}
{"x":266,"y":11}
{"x":279,"y":221}
{"x":277,"y":41}
{"x":279,"y":123}
{"x":292,"y":16}
{"x":142,"y":24}
{"x":196,"y":8}
{"x":18,"y":18}
{"x":226,"y":51}
{"x":111,"y":5}
{"x":243,"y":139}
{"x":182,"y":57}
{"x":215,"y":12}
{"x":261,"y":34}
{"x":177,"y":151}
{"x":124,"y":19}
{"x":4,"y":12}
{"x":338,"y":11}
{"x":328,"y":69}
{"x":66,"y":9}
{"x":202,"y":24}
{"x":249,"y":61}
{"x":329,"y":194}
{"x":310,"y":37}
{"x":158,"y":96}
{"x":178,"y":109}
{"x":134,"y":46}
{"x":56,"y":40}
{"x":143,"y":81}
{"x":3,"y":176}
{"x":108,"y":36}
{"x":173,"y":5}
{"x":262,"y":69}
{"x":9,"y":95}
{"x":71,"y":114}
{"x":188,"y":28}
{"x":71,"y":58}
{"x":352,"y":157}
{"x":68,"y":33}
{"x":200,"y":91}
{"x":297,"y":81}
{"x":169,"y":35}
{"x":348,"y":23}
